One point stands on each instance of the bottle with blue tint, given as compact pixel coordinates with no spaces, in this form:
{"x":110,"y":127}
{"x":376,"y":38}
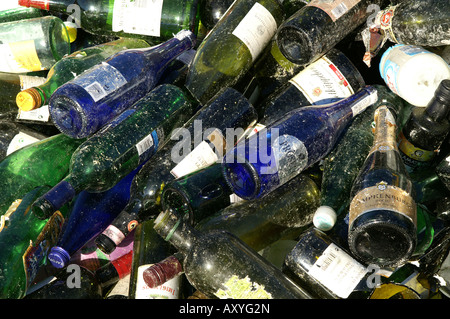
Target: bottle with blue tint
{"x":80,"y":107}
{"x":119,"y":148}
{"x":91,"y":214}
{"x":290,"y":145}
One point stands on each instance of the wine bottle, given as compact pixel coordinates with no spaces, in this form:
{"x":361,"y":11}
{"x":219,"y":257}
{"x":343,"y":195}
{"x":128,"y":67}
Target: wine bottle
{"x":235,"y":42}
{"x":69,"y":67}
{"x":190,"y":149}
{"x":120,"y":147}
{"x":341,"y":166}
{"x":329,"y":79}
{"x":33,"y":44}
{"x":156,"y":21}
{"x":111,"y":273}
{"x":212,"y":10}
{"x":383,"y":215}
{"x":427,"y":127}
{"x":90,"y":215}
{"x":222,"y":266}
{"x":429,"y":188}
{"x":25,"y":241}
{"x":290,"y":145}
{"x":319,"y":26}
{"x":11,"y":11}
{"x":413,"y":72}
{"x":42,"y":163}
{"x":149,"y":249}
{"x":80,"y":107}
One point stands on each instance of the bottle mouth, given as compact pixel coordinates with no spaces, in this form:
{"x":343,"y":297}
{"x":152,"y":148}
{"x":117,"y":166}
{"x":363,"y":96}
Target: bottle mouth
{"x":294,"y":45}
{"x":176,"y":201}
{"x":29,"y":99}
{"x":42,"y":208}
{"x":105,"y":244}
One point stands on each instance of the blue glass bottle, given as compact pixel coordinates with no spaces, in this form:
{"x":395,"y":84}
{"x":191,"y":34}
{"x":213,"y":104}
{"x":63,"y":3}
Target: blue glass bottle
{"x":80,"y":107}
{"x":290,"y":145}
{"x":90,"y":215}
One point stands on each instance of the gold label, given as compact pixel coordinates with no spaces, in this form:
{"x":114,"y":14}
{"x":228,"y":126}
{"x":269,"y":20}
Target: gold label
{"x":383,"y":196}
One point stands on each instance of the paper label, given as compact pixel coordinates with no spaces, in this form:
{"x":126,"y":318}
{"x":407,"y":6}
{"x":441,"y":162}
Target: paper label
{"x":19,"y":57}
{"x":201,"y":156}
{"x":363,"y":104}
{"x":256,"y":29}
{"x":101,"y":81}
{"x":41,"y":114}
{"x":169,"y":290}
{"x":322,"y":81}
{"x":138,"y":17}
{"x":334,"y":8}
{"x":338,"y":271}
{"x":20,"y":140}
{"x":147,"y":146}
{"x":27,"y":81}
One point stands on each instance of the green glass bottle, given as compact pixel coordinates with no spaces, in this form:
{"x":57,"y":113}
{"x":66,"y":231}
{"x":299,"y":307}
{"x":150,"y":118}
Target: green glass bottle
{"x":13,"y":12}
{"x":156,"y":21}
{"x":24,"y":243}
{"x":127,"y":142}
{"x":235,"y":42}
{"x":33,"y":44}
{"x":42,"y":163}
{"x":70,"y":67}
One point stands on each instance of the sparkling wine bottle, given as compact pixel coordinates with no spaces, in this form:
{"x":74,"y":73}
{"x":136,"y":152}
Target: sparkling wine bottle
{"x":290,"y":145}
{"x":69,"y":67}
{"x":80,"y":107}
{"x":120,"y":147}
{"x":383,"y":213}
{"x":228,"y":51}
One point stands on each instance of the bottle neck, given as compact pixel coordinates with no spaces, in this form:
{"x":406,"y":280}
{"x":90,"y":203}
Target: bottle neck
{"x":385,"y":130}
{"x":48,"y":5}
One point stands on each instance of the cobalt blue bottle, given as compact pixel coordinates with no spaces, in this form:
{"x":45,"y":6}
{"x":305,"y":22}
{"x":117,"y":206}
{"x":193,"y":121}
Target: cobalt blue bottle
{"x":290,"y":145}
{"x":80,"y":107}
{"x":90,"y":215}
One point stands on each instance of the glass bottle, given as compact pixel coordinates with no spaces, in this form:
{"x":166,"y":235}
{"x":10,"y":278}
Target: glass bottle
{"x":220,"y":265}
{"x":413,"y":72}
{"x":42,"y":163}
{"x":120,"y":147}
{"x":426,"y":129}
{"x":329,"y":79}
{"x":90,"y":215}
{"x":156,"y":21}
{"x":109,"y":274}
{"x":383,"y":215}
{"x":319,"y":26}
{"x":24,"y":243}
{"x":12,"y":11}
{"x":212,"y":10}
{"x":33,"y":44}
{"x":290,"y":145}
{"x":149,"y":249}
{"x":230,"y":48}
{"x":80,"y":107}
{"x":69,"y":67}
{"x":230,"y":110}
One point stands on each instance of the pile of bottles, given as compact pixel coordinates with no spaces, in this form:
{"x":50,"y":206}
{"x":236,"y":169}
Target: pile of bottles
{"x":206,"y":149}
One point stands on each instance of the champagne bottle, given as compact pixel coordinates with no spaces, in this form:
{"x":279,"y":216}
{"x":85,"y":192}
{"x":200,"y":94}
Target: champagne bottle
{"x":90,"y":215}
{"x":120,"y":147}
{"x":156,"y":21}
{"x":42,"y":163}
{"x":25,"y":241}
{"x":220,"y":265}
{"x":319,"y":26}
{"x":80,"y":107}
{"x":383,"y":216}
{"x":33,"y":44}
{"x":329,"y":79}
{"x":235,"y":42}
{"x":290,"y":145}
{"x":422,"y":136}
{"x":230,"y":110}
{"x":150,"y":248}
{"x":69,"y":67}
{"x":413,"y":72}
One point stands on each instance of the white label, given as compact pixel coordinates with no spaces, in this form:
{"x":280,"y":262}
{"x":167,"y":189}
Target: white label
{"x":235,"y":199}
{"x":138,"y":17}
{"x":291,"y":157}
{"x":41,"y":114}
{"x":20,"y":140}
{"x":27,"y":81}
{"x":364,"y":103}
{"x":338,"y":271}
{"x":168,"y":290}
{"x":145,"y":144}
{"x":322,"y":81}
{"x":8,"y":62}
{"x":200,"y":157}
{"x":256,"y":29}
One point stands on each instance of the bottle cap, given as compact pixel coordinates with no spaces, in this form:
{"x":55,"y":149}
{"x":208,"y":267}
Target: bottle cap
{"x":28,"y":99}
{"x":59,"y":257}
{"x":71,"y":30}
{"x":324,"y":218}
